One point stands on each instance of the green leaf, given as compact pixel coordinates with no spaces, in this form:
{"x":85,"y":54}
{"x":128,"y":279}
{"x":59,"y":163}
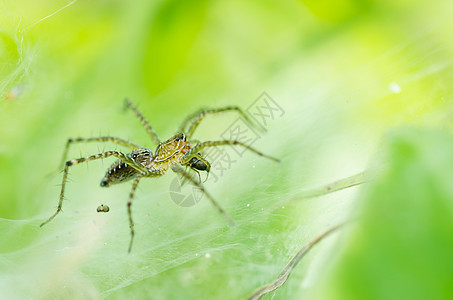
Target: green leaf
{"x":401,"y":247}
{"x":173,"y":30}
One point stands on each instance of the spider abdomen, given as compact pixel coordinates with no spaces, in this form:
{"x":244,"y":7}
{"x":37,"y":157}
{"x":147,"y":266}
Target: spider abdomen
{"x":120,"y":171}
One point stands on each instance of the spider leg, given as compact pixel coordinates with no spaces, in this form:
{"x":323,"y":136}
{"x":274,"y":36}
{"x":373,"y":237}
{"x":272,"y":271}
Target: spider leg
{"x":143,"y":120}
{"x":184,"y":180}
{"x":195,"y":119}
{"x":198,"y":173}
{"x":199,"y":147}
{"x":114,"y":140}
{"x":150,"y":173}
{"x":70,"y":163}
{"x":180,"y":170}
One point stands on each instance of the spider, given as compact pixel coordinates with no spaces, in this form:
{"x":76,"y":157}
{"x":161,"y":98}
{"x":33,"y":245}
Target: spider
{"x":175,"y":153}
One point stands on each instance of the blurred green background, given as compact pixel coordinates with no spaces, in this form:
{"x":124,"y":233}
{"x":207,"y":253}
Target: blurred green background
{"x":364,"y":85}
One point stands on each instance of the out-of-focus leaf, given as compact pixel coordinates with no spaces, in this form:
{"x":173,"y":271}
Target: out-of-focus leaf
{"x":337,"y":10}
{"x":172,"y":32}
{"x":402,"y":245}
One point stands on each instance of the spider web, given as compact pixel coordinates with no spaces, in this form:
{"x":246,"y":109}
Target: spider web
{"x":181,"y":249}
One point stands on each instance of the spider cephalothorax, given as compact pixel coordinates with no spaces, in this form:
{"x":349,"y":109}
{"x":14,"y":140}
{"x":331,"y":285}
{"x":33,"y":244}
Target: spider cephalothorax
{"x":174,"y":154}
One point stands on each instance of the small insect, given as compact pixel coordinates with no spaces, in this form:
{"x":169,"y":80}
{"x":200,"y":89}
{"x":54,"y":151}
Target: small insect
{"x":103,"y":208}
{"x":175,"y":153}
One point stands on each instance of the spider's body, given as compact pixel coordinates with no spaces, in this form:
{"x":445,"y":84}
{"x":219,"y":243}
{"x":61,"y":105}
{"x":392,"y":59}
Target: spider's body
{"x":171,"y":152}
{"x":174,"y":154}
{"x":168,"y":153}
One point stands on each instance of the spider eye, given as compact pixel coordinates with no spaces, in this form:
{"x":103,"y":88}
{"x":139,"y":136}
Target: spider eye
{"x":134,"y":156}
{"x":180,"y":137}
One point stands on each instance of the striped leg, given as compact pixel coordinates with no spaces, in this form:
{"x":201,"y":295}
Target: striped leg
{"x":178,"y":169}
{"x":73,"y":162}
{"x":151,"y":173}
{"x":143,"y":120}
{"x":195,"y":119}
{"x":199,"y":147}
{"x":114,"y":140}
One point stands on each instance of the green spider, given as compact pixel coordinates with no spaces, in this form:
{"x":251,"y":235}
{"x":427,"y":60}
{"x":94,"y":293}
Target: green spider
{"x":175,"y":153}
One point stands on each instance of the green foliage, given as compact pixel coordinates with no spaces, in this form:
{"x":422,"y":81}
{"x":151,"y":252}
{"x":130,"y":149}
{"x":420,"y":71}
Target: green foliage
{"x":401,"y":245}
{"x":345,"y":74}
{"x":171,"y":34}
